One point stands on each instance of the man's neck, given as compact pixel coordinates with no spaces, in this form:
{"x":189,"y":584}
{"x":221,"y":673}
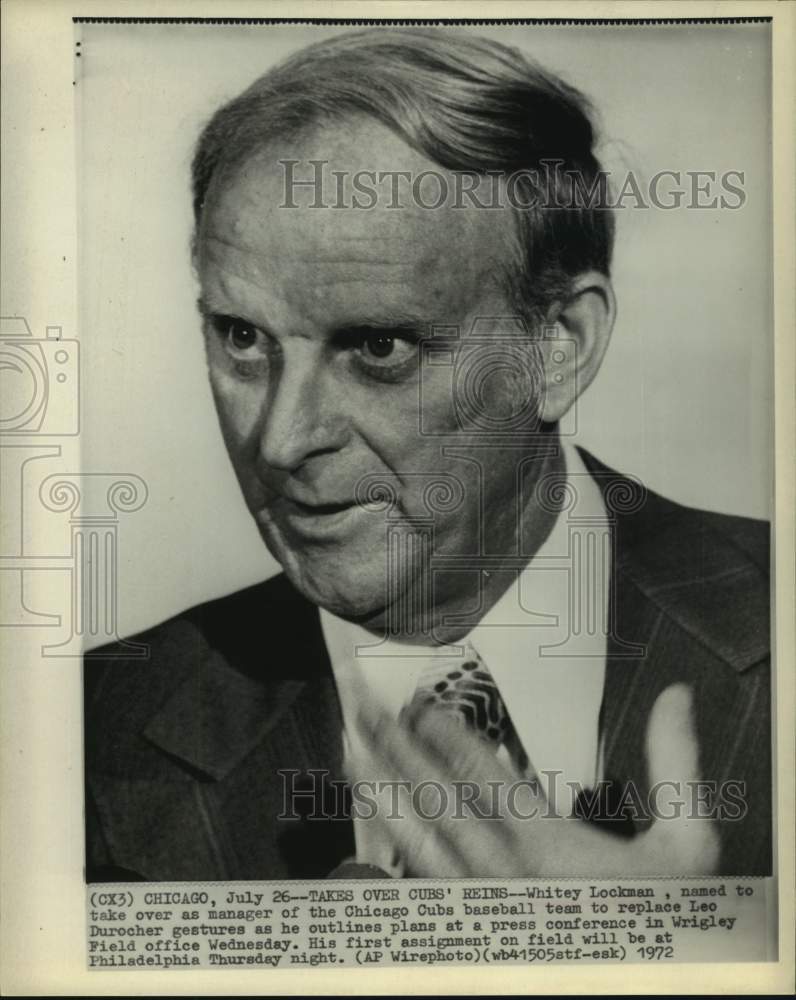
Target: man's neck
{"x":462,"y":597}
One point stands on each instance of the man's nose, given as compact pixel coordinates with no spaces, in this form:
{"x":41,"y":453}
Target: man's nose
{"x":302,"y":419}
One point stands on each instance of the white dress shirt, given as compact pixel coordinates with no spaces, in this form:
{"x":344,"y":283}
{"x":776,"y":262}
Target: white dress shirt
{"x":543,"y":641}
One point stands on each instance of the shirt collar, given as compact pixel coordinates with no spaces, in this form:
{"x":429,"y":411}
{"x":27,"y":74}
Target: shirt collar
{"x":550,"y":670}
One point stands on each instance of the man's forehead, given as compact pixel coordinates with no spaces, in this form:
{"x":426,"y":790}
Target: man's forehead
{"x":359,"y":206}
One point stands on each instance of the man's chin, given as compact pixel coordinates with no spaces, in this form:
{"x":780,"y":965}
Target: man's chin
{"x":343,"y":580}
{"x":351,"y":606}
{"x":356,"y":595}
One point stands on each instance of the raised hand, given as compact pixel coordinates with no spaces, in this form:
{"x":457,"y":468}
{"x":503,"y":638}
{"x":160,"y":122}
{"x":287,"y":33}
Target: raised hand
{"x":494,"y":824}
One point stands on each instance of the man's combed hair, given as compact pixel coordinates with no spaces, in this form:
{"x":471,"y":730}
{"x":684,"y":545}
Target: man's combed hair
{"x":467,"y":103}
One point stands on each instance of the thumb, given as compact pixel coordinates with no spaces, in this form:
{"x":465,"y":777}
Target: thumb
{"x":689,"y":843}
{"x":672,"y":747}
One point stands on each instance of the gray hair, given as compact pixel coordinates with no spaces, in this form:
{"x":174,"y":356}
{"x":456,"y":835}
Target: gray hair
{"x":469,"y":104}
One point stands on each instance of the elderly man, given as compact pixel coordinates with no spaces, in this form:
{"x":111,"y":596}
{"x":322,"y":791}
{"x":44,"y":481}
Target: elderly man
{"x":487,"y":654}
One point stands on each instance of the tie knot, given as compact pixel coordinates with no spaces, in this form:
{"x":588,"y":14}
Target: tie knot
{"x":465,"y":687}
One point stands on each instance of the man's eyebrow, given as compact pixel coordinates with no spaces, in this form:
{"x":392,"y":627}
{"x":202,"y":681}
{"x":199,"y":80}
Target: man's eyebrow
{"x":207,"y":309}
{"x":203,"y":306}
{"x":402,"y":322}
{"x":394,"y":323}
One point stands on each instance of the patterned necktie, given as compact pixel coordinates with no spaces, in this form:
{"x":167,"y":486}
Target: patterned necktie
{"x":466,"y":689}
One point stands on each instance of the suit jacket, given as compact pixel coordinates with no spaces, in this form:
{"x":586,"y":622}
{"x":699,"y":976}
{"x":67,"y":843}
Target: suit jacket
{"x":194,"y":755}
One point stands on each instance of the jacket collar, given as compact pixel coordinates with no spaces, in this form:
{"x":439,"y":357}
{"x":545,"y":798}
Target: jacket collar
{"x":217,"y":716}
{"x":689,"y":565}
{"x":245,"y":679}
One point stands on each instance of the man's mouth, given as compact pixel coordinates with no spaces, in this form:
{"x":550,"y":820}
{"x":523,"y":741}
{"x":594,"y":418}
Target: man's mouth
{"x":314,"y":509}
{"x":313,"y":519}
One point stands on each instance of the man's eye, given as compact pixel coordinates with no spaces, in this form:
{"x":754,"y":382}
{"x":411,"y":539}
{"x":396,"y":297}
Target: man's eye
{"x":386,"y":355}
{"x":242,"y":336}
{"x":239,"y":336}
{"x":378,"y":345}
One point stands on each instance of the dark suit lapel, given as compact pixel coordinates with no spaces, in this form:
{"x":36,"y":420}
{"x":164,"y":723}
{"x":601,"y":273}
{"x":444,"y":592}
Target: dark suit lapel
{"x":218,"y":715}
{"x":630,"y":648}
{"x":631,"y":685}
{"x":667,"y":625}
{"x":264,"y":657}
{"x":254,"y":716}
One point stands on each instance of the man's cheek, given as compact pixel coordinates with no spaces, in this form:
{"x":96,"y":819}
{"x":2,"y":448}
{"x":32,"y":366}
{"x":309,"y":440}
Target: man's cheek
{"x":435,"y":412}
{"x":239,"y":408}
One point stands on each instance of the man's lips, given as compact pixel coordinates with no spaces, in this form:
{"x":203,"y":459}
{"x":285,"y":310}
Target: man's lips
{"x":312,"y":517}
{"x":314,"y":509}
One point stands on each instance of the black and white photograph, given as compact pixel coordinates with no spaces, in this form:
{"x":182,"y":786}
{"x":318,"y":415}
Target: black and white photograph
{"x":418,"y":565}
{"x":403,"y":243}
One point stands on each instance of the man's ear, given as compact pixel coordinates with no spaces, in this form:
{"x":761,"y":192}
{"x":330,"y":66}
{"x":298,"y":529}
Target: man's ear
{"x":574,"y":341}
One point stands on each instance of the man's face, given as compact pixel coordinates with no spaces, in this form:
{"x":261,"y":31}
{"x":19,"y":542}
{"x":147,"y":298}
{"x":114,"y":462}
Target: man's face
{"x":313,"y":322}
